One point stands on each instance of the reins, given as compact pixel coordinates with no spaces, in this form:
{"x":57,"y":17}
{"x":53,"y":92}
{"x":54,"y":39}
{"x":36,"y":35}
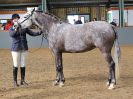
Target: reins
{"x":43,"y":35}
{"x":42,"y":39}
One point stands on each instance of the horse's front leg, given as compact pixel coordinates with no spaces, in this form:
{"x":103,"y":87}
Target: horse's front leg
{"x":59,"y":70}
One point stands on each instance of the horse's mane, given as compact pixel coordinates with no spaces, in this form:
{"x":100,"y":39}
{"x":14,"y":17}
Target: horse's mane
{"x":50,"y":15}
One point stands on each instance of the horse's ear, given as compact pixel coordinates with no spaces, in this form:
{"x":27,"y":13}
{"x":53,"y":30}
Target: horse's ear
{"x":33,"y":10}
{"x":39,"y":11}
{"x":46,"y":12}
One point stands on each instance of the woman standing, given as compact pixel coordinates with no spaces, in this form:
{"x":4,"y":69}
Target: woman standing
{"x":19,"y":49}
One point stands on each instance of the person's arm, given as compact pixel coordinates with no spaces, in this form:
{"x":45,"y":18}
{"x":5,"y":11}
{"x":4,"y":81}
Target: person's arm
{"x":30,"y":32}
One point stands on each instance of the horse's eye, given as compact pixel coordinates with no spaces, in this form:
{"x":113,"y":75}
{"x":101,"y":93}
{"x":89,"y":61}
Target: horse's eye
{"x":26,"y":16}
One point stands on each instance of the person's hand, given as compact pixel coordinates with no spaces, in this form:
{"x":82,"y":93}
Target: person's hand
{"x":15,"y":26}
{"x":40,"y":32}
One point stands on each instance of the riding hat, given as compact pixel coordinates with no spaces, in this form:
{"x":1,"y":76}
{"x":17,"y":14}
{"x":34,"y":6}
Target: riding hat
{"x":14,"y":16}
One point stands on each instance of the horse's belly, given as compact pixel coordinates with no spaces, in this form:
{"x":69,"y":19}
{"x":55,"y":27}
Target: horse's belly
{"x":78,"y":48}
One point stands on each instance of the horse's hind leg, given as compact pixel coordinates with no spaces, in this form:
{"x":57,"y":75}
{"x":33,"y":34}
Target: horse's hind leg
{"x":111,"y":78}
{"x":59,"y":70}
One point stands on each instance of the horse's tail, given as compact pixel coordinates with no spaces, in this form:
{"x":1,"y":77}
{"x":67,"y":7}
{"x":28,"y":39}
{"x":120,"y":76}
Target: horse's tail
{"x":117,"y":54}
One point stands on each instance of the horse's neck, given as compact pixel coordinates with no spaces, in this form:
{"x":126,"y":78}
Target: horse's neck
{"x":45,"y":22}
{"x":40,"y":24}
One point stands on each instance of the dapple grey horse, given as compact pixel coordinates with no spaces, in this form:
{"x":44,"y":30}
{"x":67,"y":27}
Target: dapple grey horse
{"x":64,"y":37}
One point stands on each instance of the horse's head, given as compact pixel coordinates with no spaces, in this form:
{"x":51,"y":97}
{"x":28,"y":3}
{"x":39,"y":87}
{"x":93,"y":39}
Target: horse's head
{"x":26,"y":20}
{"x":42,"y":20}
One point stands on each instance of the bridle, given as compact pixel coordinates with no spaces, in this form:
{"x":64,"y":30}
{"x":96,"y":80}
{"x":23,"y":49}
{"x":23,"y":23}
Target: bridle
{"x":43,"y":35}
{"x":27,"y":17}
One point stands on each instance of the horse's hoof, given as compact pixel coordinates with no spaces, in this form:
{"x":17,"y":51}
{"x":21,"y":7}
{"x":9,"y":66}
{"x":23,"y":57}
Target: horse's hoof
{"x":111,"y":87}
{"x":61,"y":84}
{"x":107,"y":84}
{"x":55,"y":83}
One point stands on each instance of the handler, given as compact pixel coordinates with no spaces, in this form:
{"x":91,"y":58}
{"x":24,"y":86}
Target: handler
{"x":19,"y":49}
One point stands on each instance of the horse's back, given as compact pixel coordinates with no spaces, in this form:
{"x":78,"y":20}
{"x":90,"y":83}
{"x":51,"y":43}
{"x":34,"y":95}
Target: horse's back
{"x":99,"y":25}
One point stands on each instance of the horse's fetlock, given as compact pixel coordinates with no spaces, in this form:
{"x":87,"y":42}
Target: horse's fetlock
{"x":59,"y":69}
{"x":113,"y":81}
{"x":109,"y":80}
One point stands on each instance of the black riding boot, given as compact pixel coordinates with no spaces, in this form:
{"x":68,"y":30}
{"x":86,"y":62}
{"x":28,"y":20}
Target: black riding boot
{"x":15,"y":72}
{"x":23,"y":76}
